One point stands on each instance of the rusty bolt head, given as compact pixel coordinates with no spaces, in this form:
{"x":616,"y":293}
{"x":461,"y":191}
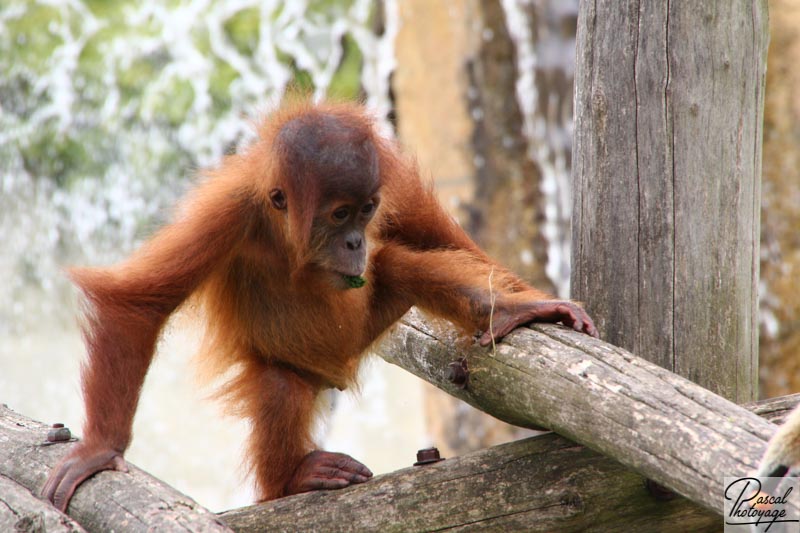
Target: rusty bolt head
{"x":59,"y":434}
{"x":457,"y":373}
{"x":427,"y":456}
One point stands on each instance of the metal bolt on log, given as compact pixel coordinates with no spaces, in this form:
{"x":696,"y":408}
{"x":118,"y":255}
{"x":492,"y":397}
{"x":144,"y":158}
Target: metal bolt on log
{"x":427,"y":456}
{"x":457,"y":373}
{"x":59,"y":433}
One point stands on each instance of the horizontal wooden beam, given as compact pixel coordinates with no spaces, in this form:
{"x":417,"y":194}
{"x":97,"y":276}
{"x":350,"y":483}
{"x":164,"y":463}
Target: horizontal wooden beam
{"x":548,"y":376}
{"x":661,"y":425}
{"x":21,"y":510}
{"x":109,"y":501}
{"x":544,"y":483}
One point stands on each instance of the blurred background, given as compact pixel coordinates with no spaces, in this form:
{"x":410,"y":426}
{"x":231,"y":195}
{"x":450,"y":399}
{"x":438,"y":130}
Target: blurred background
{"x":107,"y":109}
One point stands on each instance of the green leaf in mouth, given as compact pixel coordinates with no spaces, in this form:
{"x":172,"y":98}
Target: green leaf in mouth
{"x":355,"y":282}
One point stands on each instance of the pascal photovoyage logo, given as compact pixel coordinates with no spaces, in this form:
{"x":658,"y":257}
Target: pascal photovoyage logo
{"x":762,"y":504}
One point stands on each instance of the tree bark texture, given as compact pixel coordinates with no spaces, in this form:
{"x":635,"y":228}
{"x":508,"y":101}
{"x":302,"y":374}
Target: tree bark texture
{"x":108,"y":501}
{"x":21,"y":511}
{"x":649,"y":419}
{"x":540,"y":484}
{"x":775,"y":409}
{"x":667,"y":165}
{"x":544,"y":483}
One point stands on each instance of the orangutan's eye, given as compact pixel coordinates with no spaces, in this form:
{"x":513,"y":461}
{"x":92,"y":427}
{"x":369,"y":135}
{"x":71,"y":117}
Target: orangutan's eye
{"x":278,"y":199}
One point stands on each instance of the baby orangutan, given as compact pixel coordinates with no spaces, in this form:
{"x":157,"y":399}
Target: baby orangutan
{"x":303,"y":250}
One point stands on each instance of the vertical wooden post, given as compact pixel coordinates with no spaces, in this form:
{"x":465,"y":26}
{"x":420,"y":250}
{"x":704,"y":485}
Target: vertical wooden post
{"x":667,"y":165}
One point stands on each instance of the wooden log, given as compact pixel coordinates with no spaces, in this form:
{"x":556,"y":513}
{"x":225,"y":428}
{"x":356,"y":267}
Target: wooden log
{"x":22,"y":511}
{"x":667,"y":166}
{"x":774,"y":409}
{"x":108,"y":501}
{"x":657,"y":423}
{"x":543,"y":483}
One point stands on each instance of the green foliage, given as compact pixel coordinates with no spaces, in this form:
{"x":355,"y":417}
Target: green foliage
{"x":52,"y":154}
{"x":85,"y":81}
{"x":132,"y":79}
{"x":346,"y":82}
{"x":242,"y":29}
{"x":220,"y":84}
{"x":326,"y":6}
{"x":26,"y":40}
{"x":301,"y":79}
{"x":355,"y":282}
{"x":172,"y":105}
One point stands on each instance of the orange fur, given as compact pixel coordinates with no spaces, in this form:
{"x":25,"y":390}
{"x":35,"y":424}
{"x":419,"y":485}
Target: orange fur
{"x":263,"y":276}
